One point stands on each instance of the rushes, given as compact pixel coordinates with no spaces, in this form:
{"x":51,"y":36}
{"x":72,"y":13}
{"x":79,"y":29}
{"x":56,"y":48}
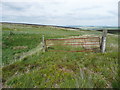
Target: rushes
{"x":55,"y":69}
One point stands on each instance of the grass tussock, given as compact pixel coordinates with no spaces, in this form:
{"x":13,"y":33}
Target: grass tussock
{"x":56,"y":69}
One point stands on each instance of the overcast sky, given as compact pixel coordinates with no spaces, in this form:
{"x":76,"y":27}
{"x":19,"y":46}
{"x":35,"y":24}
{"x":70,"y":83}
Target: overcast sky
{"x":61,"y":12}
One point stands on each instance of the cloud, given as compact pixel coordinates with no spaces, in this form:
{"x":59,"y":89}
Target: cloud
{"x":61,"y":12}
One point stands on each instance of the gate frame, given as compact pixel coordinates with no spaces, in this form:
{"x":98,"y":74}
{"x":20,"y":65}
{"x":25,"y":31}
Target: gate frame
{"x":102,"y":44}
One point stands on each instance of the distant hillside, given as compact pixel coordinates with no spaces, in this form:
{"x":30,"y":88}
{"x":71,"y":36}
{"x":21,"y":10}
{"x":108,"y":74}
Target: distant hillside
{"x":112,"y":31}
{"x":67,"y":27}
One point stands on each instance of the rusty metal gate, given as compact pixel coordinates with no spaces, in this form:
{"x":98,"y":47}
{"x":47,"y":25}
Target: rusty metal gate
{"x":86,"y":44}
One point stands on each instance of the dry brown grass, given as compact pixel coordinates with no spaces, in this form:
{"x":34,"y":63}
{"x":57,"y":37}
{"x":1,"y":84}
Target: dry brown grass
{"x":20,"y":47}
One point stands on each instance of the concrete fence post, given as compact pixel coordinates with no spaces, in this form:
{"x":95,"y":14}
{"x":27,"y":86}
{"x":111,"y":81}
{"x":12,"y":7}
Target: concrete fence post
{"x":103,"y":41}
{"x":43,"y":43}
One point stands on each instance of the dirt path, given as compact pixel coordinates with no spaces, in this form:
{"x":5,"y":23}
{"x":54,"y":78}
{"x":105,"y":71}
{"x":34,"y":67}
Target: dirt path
{"x":31,"y":52}
{"x":21,"y":56}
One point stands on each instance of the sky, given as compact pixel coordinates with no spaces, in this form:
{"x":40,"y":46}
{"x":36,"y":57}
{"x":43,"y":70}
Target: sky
{"x":61,"y":12}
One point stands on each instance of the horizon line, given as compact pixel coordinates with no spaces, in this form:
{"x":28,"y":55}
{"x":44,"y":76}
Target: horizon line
{"x":54,"y":24}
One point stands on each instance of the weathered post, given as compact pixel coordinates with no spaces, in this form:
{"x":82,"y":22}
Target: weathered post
{"x":43,"y":44}
{"x":103,"y":41}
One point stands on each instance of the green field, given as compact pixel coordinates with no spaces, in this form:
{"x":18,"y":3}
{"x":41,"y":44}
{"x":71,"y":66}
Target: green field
{"x":55,"y":69}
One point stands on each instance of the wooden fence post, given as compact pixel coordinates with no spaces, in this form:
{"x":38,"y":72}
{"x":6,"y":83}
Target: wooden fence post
{"x":103,"y":41}
{"x":43,"y":44}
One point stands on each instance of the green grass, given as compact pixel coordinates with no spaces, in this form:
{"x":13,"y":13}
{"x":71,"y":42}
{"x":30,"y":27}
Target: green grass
{"x":56,"y":69}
